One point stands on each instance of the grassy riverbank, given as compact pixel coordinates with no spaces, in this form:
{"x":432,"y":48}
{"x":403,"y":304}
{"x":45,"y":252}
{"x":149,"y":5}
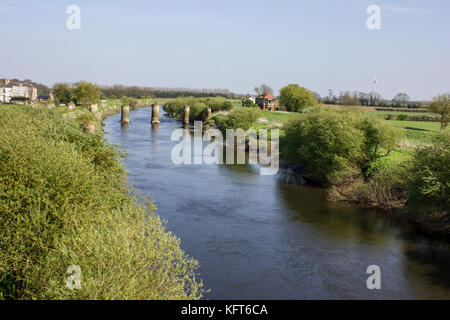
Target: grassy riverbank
{"x":364,"y":158}
{"x":64,"y":201}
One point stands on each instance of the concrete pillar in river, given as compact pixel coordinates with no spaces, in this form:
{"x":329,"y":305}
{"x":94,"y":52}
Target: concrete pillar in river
{"x":125,"y":114}
{"x":155,"y":113}
{"x":186,"y":115}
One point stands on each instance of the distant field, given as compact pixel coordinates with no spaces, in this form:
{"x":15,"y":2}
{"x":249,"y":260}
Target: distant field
{"x":417,"y":125}
{"x":382,"y":114}
{"x":417,"y":131}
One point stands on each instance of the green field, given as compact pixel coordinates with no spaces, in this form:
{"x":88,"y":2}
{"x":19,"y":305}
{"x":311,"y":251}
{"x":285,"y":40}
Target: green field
{"x":415,"y":131}
{"x":382,"y":114}
{"x":416,"y":125}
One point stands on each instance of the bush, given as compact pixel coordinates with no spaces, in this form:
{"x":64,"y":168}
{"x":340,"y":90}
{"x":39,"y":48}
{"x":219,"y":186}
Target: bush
{"x":175,"y":108}
{"x":430,"y":174}
{"x":133,"y":102}
{"x":249,"y":103}
{"x":125,"y":101}
{"x":240,"y":118}
{"x":62,"y":93}
{"x":86,"y":93}
{"x":402,"y":117}
{"x":196,"y":111}
{"x":296,"y":98}
{"x":217,"y":103}
{"x":386,"y":181}
{"x":86,"y":118}
{"x":335,"y":145}
{"x":380,"y":138}
{"x":63,"y":201}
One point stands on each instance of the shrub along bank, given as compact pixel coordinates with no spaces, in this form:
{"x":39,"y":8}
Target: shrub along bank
{"x":63,"y":202}
{"x":175,"y":107}
{"x":336,"y":145}
{"x":358,"y":157}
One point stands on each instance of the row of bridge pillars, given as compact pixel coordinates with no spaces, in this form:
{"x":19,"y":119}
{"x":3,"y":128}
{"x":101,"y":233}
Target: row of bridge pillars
{"x":125,"y":114}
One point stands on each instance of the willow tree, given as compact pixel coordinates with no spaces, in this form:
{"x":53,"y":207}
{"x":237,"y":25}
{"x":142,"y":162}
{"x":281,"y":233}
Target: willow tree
{"x":86,"y":93}
{"x":295,"y":98}
{"x":441,"y":106}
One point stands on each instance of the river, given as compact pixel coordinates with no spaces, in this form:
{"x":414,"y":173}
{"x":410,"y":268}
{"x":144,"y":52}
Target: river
{"x":259,"y":237}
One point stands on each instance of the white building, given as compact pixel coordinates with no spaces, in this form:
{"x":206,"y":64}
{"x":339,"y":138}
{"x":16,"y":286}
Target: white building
{"x":9,"y":91}
{"x":20,"y":92}
{"x":5,"y":95}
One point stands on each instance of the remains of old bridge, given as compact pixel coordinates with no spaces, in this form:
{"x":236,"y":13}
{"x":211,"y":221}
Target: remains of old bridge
{"x":125,"y":114}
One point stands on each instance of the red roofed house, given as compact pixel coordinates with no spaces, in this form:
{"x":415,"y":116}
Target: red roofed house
{"x":266,"y":101}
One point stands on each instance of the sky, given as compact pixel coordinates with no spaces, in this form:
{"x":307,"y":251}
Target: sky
{"x":233,"y":44}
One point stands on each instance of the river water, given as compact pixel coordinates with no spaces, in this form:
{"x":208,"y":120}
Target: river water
{"x":259,"y":237}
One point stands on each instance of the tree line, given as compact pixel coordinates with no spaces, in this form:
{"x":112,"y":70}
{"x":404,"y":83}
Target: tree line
{"x":373,"y":99}
{"x":117,"y":91}
{"x":296,"y":98}
{"x":83,"y":92}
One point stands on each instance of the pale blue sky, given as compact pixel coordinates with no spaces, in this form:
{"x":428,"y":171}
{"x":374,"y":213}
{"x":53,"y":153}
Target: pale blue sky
{"x":320,"y":44}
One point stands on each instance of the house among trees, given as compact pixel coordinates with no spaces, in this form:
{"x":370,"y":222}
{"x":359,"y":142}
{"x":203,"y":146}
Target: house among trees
{"x":266,"y":101}
{"x":247,"y":97}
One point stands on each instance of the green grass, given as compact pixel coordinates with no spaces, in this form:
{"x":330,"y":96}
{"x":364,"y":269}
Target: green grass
{"x":270,"y":119}
{"x":280,"y":117}
{"x":417,"y":131}
{"x":417,"y":125}
{"x":382,"y":114}
{"x":12,"y":107}
{"x":420,"y":132}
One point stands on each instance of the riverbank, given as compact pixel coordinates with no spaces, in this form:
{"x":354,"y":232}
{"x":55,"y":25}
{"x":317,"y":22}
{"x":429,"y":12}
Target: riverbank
{"x":332,"y":150}
{"x":433,"y":224}
{"x":65,"y":203}
{"x":265,"y":237}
